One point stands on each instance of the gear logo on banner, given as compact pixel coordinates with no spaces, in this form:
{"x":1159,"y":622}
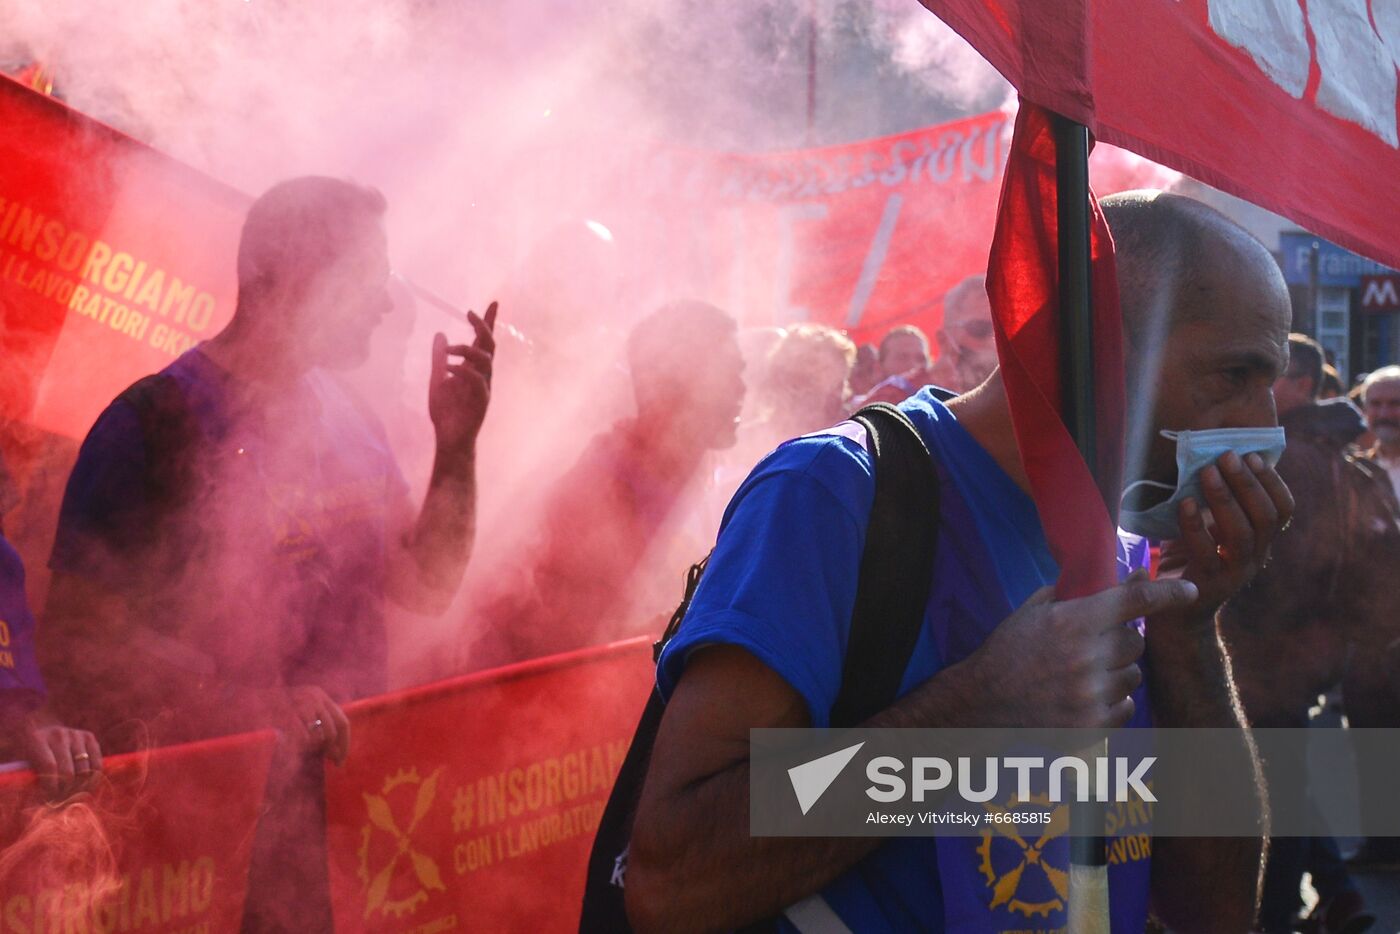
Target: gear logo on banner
{"x":1018,"y":871}
{"x":383,"y":835}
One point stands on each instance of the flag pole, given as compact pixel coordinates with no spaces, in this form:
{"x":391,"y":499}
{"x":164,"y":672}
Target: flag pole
{"x":1088,"y":890}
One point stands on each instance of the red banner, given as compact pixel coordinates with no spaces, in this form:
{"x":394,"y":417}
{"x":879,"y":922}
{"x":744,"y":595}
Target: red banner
{"x":162,"y":845}
{"x":114,"y":259}
{"x":471,"y":804}
{"x":1289,"y":104}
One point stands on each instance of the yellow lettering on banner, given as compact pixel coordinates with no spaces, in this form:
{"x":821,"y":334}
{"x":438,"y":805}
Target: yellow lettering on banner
{"x":548,"y":783}
{"x":175,"y":892}
{"x":17,"y":912}
{"x":4,"y":633}
{"x":7,"y":659}
{"x":26,"y":229}
{"x":48,"y":242}
{"x":149,"y":294}
{"x":74,"y":249}
{"x":550,"y":829}
{"x":202,"y":312}
{"x":472,"y":855}
{"x":178,"y":296}
{"x":147,"y":907}
{"x":97,"y":261}
{"x":169,"y":340}
{"x":134,"y":280}
{"x":73,"y":908}
{"x":48,"y":903}
{"x":8,"y":219}
{"x":119,"y":272}
{"x":114,"y":914}
{"x":202,"y":884}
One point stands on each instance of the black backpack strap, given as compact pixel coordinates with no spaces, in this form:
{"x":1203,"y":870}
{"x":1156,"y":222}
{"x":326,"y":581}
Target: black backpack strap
{"x":896,"y":567}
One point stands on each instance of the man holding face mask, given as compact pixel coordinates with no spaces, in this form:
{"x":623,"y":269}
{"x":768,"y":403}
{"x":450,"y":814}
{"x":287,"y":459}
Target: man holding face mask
{"x":1206,"y":315}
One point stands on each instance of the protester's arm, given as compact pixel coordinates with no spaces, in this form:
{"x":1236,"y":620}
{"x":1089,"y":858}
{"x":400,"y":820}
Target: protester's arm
{"x":692,"y":863}
{"x":1211,"y":884}
{"x":425,"y":571}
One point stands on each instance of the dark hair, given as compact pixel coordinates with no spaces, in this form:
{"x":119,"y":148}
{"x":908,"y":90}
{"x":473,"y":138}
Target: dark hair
{"x":664,"y":344}
{"x":1331,"y":382}
{"x":299,"y":227}
{"x":1305,"y":358}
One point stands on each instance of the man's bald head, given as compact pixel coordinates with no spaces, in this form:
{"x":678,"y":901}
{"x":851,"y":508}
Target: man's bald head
{"x":1175,"y":258}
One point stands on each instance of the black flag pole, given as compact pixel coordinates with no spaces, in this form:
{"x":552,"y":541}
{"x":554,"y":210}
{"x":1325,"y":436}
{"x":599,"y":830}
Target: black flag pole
{"x":1088,"y":889}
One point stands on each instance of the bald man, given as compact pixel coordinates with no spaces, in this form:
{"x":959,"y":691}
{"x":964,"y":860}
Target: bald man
{"x":763,"y":644}
{"x":967,"y":347}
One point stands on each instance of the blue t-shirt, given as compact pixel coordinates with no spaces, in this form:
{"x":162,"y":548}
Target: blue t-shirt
{"x":782,"y":584}
{"x":271,"y":569}
{"x":21,"y":687}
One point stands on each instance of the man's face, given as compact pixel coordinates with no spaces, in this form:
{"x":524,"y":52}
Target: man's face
{"x":902,"y":353}
{"x":1219,"y":364}
{"x":716,"y":396}
{"x":1291,"y":392}
{"x":347,"y":302}
{"x":968,"y":340}
{"x":1383,"y":410}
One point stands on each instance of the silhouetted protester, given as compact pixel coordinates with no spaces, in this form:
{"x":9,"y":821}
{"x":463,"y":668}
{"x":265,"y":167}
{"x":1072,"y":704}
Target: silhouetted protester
{"x":235,"y":523}
{"x":613,"y":545}
{"x":63,"y":758}
{"x":1371,"y":689}
{"x":1288,"y":632}
{"x":967,"y":348}
{"x":764,"y":642}
{"x":904,"y":363}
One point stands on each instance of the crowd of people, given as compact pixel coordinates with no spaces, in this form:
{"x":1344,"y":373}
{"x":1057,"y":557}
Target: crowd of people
{"x":237,"y":526}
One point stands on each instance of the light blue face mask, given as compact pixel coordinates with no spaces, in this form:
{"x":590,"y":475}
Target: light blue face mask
{"x":1195,"y":450}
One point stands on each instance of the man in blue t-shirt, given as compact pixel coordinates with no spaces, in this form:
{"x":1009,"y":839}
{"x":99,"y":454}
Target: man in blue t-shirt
{"x":1206,"y":317}
{"x":234,"y":525}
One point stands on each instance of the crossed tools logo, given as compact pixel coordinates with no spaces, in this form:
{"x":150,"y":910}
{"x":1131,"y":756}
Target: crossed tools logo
{"x":403,"y":881}
{"x":1018,"y":870}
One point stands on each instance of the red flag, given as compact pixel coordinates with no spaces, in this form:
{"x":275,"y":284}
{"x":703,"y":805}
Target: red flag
{"x":1023,"y":284}
{"x":1289,"y":104}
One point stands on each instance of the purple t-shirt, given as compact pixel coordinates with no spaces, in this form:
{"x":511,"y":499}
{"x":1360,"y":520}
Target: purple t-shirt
{"x":782,"y":584}
{"x":21,"y":687}
{"x":272,"y":571}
